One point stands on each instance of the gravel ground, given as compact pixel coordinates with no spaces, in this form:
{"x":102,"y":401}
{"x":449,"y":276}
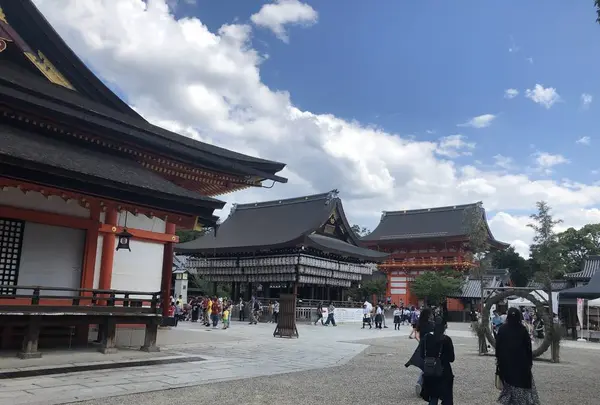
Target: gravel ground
{"x":378,"y":376}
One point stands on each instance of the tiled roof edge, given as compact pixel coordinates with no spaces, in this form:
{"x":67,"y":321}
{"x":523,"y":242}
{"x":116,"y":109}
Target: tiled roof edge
{"x":326,"y":197}
{"x":427,"y":210}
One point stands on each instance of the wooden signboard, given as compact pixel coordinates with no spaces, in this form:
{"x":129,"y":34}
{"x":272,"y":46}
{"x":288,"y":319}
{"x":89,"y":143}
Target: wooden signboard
{"x":286,"y":324}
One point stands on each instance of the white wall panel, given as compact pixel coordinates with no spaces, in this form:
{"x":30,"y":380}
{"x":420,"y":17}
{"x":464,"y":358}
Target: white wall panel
{"x":52,"y":256}
{"x":141,"y":222}
{"x":397,"y":279}
{"x":14,"y":197}
{"x":140,"y":269}
{"x":398,"y":291}
{"x":98,"y":261}
{"x":403,"y":285}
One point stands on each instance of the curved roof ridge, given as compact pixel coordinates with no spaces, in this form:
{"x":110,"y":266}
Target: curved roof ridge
{"x":426,"y":210}
{"x":327,"y":197}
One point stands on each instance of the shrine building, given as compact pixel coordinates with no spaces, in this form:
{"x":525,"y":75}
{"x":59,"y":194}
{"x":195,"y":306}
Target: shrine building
{"x":423,"y":240}
{"x":80,"y":170}
{"x":302,"y":244}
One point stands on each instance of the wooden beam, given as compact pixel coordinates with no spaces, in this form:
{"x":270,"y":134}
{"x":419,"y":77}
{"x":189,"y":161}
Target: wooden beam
{"x":140,"y":234}
{"x":47,"y":218}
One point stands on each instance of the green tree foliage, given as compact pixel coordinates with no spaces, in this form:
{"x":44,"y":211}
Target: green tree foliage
{"x":360,"y":230}
{"x":546,"y":250}
{"x":519,"y":268}
{"x":369,"y":288}
{"x":577,"y":244}
{"x":597,"y":4}
{"x":435,"y":286}
{"x":186,"y":235}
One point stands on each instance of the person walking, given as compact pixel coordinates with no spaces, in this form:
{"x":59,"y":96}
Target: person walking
{"x":320,"y":313}
{"x":241,"y":309}
{"x":514,"y":362}
{"x":275,"y":311}
{"x":424,"y":326}
{"x":378,"y":316}
{"x":437,"y":352}
{"x":397,"y":316}
{"x":330,"y":313}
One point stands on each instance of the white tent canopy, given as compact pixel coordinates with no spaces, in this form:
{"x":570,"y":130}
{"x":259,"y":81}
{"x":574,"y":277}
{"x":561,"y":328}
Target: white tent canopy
{"x":542,"y":296}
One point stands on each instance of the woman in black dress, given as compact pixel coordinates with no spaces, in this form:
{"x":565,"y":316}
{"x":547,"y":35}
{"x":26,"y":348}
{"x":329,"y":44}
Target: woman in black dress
{"x":514,"y":361}
{"x":438,"y":346}
{"x":423,"y":327}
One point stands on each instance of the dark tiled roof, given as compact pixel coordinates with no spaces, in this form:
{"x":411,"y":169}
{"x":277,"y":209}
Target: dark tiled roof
{"x":589,"y":291}
{"x":472,"y":286}
{"x":55,"y":156}
{"x":280,"y":224}
{"x":557,"y":285}
{"x":590,"y":265}
{"x":428,"y":223}
{"x":99,"y":109}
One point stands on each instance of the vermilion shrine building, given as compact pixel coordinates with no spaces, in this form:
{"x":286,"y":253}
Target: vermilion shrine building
{"x":77,"y":166}
{"x":422,"y":240}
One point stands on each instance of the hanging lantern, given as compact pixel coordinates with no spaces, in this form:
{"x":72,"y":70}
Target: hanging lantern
{"x":123,"y":239}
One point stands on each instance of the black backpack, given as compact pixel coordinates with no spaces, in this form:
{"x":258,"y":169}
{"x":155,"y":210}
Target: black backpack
{"x":256,"y":305}
{"x":432,"y":366}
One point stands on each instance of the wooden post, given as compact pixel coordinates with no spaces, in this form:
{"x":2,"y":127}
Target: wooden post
{"x":286,"y":325}
{"x":109,"y":337}
{"x":108,"y":251}
{"x":167,"y":271}
{"x":150,"y":338}
{"x":30,"y":340}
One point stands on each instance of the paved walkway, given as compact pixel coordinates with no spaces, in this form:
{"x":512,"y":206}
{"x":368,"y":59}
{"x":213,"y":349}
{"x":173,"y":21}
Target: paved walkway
{"x":243,"y":351}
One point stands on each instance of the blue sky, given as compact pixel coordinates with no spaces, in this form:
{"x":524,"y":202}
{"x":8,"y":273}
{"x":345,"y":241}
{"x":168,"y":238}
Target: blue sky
{"x":413,"y":66}
{"x":370,"y":97}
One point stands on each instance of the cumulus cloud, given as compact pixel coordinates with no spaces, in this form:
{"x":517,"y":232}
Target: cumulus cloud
{"x":207,"y":85}
{"x":584,"y":140}
{"x":481,"y":121}
{"x":276,"y":16}
{"x":545,"y":162}
{"x":546,"y":97}
{"x":586,"y":100}
{"x":503,"y":162}
{"x":454,"y":146}
{"x":511,"y":93}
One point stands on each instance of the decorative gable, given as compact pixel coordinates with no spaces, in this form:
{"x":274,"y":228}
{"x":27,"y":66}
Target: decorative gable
{"x":334,"y":228}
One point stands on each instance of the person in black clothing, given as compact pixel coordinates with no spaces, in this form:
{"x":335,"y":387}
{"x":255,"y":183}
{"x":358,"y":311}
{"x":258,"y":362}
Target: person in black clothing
{"x":438,"y":345}
{"x":320,"y":313}
{"x":514,"y":361}
{"x":424,"y":326}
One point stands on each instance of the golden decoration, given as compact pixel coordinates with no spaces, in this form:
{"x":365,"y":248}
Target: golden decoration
{"x":47,"y":68}
{"x":173,"y":238}
{"x":114,"y":229}
{"x":3,"y":16}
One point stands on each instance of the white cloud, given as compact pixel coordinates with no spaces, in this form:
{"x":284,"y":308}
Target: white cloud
{"x":586,"y":100}
{"x":584,"y":140}
{"x":454,"y":146}
{"x":207,"y":85}
{"x":546,"y":161}
{"x":504,"y":162}
{"x":277,"y":15}
{"x":544,"y":96}
{"x":511,"y":93}
{"x":481,"y":121}
{"x":530,"y":60}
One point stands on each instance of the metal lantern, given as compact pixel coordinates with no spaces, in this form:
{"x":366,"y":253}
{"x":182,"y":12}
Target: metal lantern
{"x":123,"y":239}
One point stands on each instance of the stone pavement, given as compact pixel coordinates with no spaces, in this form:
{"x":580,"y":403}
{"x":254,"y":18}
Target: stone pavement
{"x":241,"y":352}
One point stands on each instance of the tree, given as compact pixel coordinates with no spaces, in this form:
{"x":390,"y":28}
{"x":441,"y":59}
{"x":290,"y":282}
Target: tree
{"x":577,"y":244}
{"x":546,"y":251}
{"x":597,"y":4}
{"x":479,"y":253}
{"x":360,"y":230}
{"x":519,"y":268}
{"x":186,"y":235}
{"x":369,"y":288}
{"x":435,"y":286}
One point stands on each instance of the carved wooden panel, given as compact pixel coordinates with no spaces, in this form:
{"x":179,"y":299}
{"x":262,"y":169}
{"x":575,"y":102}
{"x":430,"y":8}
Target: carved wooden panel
{"x":11,"y":242}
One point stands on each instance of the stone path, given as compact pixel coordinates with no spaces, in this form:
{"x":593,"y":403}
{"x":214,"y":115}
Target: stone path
{"x":241,"y":352}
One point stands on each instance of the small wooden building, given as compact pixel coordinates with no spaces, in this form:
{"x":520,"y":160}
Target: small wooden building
{"x":80,"y":170}
{"x":423,"y":240}
{"x":269,"y":247}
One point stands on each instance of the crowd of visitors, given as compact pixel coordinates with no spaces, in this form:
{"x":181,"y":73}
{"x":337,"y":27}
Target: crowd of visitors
{"x":212,"y":310}
{"x":434,"y":355}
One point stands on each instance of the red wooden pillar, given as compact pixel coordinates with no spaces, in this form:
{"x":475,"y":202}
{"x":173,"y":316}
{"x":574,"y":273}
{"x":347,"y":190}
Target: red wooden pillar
{"x":108,"y":251}
{"x":167,"y":271}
